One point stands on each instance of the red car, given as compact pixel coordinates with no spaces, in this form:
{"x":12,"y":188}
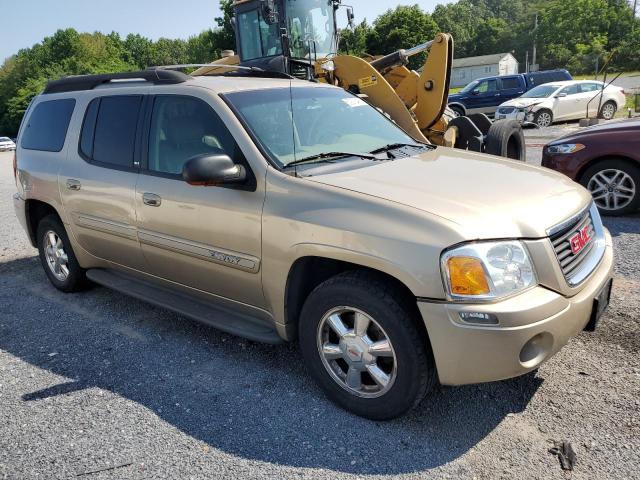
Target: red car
{"x":605,"y":159}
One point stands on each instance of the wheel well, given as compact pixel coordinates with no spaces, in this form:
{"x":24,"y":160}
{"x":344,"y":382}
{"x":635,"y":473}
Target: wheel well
{"x":309,"y":272}
{"x":36,"y":211}
{"x":458,"y":106}
{"x":597,"y":160}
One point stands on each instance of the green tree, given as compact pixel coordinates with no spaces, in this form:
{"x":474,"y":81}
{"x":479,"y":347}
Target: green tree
{"x":404,"y":27}
{"x":354,"y":42}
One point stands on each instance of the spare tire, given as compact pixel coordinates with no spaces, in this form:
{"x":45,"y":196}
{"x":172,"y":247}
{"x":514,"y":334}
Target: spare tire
{"x":505,"y":139}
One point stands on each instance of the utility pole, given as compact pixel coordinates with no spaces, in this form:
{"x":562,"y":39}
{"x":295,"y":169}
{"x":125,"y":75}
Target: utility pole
{"x":526,"y":62}
{"x":535,"y":38}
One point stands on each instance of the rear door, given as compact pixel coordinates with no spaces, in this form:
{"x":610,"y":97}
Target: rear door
{"x":590,"y":93}
{"x":511,"y":87}
{"x":97,"y":183}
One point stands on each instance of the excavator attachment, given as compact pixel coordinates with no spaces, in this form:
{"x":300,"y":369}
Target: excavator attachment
{"x":299,"y":38}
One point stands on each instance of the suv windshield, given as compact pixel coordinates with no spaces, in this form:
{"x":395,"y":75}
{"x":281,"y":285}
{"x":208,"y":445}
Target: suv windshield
{"x":542,"y":91}
{"x":297,"y":123}
{"x":310,"y":24}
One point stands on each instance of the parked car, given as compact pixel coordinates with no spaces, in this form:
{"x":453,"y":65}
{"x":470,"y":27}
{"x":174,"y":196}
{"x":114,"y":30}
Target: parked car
{"x":6,"y":144}
{"x":284,"y":210}
{"x":557,"y":101}
{"x":485,"y":94}
{"x":606,"y":160}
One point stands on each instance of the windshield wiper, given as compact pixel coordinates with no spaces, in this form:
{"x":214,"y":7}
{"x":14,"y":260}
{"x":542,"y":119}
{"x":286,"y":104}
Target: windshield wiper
{"x":393,"y":146}
{"x":330,"y":155}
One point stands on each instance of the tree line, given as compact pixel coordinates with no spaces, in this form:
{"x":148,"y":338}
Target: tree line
{"x":571,"y":34}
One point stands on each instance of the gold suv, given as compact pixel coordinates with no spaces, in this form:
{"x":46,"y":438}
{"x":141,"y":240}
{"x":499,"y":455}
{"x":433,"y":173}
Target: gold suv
{"x":282,"y":210}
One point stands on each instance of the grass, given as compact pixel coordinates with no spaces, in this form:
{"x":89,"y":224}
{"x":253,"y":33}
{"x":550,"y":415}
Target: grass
{"x":591,"y":76}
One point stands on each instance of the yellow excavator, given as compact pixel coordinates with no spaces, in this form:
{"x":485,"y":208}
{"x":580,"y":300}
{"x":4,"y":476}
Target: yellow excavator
{"x":300,"y":38}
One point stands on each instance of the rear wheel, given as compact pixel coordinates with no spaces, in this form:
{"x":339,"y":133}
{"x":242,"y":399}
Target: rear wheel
{"x":614,"y":185}
{"x":543,"y":118}
{"x":57,"y":257}
{"x":608,"y":110}
{"x":364,"y":348}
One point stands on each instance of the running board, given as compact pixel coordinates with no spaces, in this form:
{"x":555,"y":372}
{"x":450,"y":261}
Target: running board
{"x":202,"y":311}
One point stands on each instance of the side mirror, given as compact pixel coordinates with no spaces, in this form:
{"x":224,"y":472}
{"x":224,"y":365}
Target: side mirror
{"x":561,"y":95}
{"x":475,"y":92}
{"x":269,"y":12}
{"x":350,"y":17}
{"x":213,"y":169}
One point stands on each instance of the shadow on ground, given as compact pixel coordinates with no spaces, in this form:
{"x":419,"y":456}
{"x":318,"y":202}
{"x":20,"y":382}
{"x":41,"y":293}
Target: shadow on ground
{"x":245,"y":399}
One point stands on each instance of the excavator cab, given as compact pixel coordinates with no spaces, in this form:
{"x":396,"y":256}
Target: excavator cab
{"x":288,"y":36}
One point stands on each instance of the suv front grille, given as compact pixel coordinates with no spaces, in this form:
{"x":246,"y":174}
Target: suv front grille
{"x":579,"y":246}
{"x":506,"y":110}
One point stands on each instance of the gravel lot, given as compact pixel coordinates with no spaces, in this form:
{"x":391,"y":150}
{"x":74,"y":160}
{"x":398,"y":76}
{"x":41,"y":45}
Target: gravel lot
{"x":100,"y":386}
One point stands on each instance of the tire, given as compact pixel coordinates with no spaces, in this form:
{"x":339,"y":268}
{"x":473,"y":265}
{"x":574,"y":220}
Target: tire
{"x":608,"y":110}
{"x":67,"y":276}
{"x":615,"y":186}
{"x":543,"y":118}
{"x":458,"y":111}
{"x":410,"y":369}
{"x":506,"y":139}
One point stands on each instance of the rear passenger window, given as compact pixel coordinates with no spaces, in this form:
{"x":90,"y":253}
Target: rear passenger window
{"x":181,"y":128}
{"x":109,"y":130}
{"x":47,"y":127}
{"x":508,"y":83}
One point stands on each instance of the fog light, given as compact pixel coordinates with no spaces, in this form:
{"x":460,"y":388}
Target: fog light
{"x":536,"y":350}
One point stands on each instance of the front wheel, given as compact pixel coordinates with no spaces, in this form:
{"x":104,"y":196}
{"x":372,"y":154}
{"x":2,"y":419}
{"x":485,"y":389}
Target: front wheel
{"x":614,"y":185}
{"x":543,"y":118}
{"x":364,"y":347}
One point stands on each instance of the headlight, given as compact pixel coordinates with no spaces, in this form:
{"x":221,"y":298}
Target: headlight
{"x":487,"y":271}
{"x":565,"y":148}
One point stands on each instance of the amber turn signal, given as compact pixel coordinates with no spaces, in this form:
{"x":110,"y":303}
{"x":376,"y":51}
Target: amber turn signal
{"x":467,"y":276}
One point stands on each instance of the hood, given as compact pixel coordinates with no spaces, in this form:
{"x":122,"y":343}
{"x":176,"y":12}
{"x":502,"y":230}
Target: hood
{"x":523,"y":102}
{"x":485,"y":197}
{"x":628,"y":125}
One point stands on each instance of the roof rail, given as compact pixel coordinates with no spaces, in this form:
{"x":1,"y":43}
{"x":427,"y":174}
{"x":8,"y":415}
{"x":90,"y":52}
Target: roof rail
{"x":235,"y":70}
{"x":89,"y":82}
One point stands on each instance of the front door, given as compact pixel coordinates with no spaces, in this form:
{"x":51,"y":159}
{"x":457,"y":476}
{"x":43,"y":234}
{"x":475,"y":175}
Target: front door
{"x":485,"y":97}
{"x":204,"y":237}
{"x":568,"y":103}
{"x":97,"y":183}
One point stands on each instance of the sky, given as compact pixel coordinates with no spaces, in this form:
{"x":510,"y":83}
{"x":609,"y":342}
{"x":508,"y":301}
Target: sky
{"x":27,"y":22}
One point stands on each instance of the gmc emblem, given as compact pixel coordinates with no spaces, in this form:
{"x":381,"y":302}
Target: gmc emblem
{"x":580,"y":240}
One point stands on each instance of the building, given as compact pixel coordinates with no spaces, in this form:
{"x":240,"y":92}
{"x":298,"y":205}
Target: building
{"x":467,"y":69}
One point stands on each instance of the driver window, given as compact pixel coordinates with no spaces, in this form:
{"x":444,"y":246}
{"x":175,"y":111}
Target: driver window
{"x":570,"y":90}
{"x":181,"y":128}
{"x":486,"y":86}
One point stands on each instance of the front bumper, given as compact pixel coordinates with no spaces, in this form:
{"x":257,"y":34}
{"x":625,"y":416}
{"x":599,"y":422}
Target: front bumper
{"x":518,"y":115}
{"x":466,"y":353}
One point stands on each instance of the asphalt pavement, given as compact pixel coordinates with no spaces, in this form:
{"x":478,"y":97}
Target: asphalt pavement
{"x":101,"y":386}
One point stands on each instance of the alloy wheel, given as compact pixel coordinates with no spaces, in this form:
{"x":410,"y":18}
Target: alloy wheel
{"x":612,"y":189}
{"x":544,"y":119}
{"x":608,"y":111}
{"x":56,"y":257}
{"x":356,"y":352}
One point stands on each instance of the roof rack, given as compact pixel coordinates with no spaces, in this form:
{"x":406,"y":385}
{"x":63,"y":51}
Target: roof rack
{"x":156,"y":76}
{"x":235,"y":70}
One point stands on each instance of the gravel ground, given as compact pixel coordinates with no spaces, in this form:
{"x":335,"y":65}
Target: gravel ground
{"x":100,"y":386}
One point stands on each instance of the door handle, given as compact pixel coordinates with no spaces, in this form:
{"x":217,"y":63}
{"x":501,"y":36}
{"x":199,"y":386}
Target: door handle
{"x":73,"y":184}
{"x":151,"y":199}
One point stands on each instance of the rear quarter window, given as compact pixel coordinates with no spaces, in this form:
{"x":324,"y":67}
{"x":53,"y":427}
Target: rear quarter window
{"x":46,"y":128}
